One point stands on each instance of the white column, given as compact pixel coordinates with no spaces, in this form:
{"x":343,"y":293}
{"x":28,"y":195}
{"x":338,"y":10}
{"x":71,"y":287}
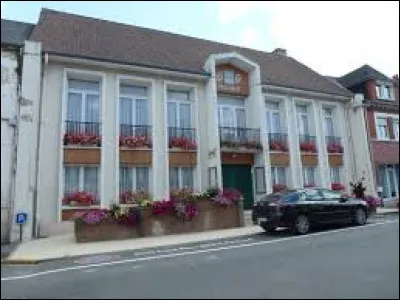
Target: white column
{"x":109,"y":147}
{"x":323,"y":176}
{"x":25,"y":177}
{"x":293,"y":136}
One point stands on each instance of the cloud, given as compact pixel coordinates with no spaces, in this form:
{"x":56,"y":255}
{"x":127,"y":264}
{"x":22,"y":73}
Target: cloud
{"x":330,"y":37}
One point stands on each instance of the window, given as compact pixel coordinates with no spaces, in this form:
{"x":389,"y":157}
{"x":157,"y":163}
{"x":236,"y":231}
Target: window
{"x":313,"y":195}
{"x":83,"y":106}
{"x":231,"y":116}
{"x":260,"y":180}
{"x":81,"y":178}
{"x":384,"y":92}
{"x":134,"y":179}
{"x":335,"y":174}
{"x":329,"y":128}
{"x":396,"y":129}
{"x":229,"y":77}
{"x":133,"y":109}
{"x":330,"y":195}
{"x":273,"y":117}
{"x":309,"y":176}
{"x":179,"y":112}
{"x":302,"y":120}
{"x":181,"y":177}
{"x":278,"y":175}
{"x":382,"y":128}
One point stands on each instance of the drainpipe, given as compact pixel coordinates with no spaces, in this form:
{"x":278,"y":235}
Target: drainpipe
{"x":35,"y":229}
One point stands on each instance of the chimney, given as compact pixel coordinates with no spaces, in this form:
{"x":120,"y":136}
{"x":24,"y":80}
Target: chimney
{"x":279,"y":51}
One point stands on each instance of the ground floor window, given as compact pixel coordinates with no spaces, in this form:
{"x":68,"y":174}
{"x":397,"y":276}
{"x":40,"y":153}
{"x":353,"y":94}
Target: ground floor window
{"x":308,"y":176}
{"x":181,"y":177}
{"x":278,"y":175}
{"x":388,"y":179}
{"x":134,"y":179}
{"x":335,"y":174}
{"x":81,"y":179}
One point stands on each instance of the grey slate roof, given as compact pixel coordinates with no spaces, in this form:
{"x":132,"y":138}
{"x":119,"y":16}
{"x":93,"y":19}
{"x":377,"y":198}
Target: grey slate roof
{"x":73,"y":35}
{"x":360,"y":75}
{"x":14,"y":32}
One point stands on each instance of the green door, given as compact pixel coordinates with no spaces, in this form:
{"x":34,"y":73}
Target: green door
{"x":239,"y":177}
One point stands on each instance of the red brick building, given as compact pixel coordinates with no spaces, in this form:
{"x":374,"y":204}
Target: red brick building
{"x":381,"y":107}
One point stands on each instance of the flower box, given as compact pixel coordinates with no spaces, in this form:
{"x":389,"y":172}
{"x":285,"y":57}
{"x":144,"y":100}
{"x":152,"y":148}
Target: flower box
{"x":182,"y":143}
{"x":82,"y":139}
{"x":210,"y":216}
{"x":308,"y":147}
{"x":278,"y":188}
{"x":278,"y":146}
{"x":134,"y":142}
{"x":337,"y":186}
{"x":335,"y":148}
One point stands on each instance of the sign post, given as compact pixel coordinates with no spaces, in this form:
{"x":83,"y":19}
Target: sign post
{"x":21,"y":219}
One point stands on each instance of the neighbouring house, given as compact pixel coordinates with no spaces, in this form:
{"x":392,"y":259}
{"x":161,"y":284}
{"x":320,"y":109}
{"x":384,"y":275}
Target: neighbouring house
{"x":380,"y":101}
{"x":17,"y":81}
{"x":128,"y":108}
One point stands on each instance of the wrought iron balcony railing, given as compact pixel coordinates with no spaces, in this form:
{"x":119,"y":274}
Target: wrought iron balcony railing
{"x":234,"y":137}
{"x":278,"y":142}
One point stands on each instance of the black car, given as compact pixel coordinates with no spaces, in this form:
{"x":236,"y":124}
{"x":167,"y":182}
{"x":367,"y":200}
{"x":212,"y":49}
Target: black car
{"x":303,"y":208}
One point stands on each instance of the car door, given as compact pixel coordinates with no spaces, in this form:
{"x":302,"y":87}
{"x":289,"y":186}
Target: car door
{"x":341,"y":210}
{"x":320,"y":210}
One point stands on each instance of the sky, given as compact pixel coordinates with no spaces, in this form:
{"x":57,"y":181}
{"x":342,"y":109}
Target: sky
{"x":332,"y":38}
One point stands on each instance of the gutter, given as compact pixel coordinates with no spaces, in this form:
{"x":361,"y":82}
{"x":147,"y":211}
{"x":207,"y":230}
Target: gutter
{"x":143,"y":67}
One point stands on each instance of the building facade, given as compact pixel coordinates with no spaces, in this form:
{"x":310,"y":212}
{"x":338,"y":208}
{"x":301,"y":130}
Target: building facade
{"x":381,"y":108}
{"x":125,"y":108}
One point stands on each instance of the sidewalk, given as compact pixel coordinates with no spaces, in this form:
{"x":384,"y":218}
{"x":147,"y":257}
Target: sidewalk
{"x":63,"y":246}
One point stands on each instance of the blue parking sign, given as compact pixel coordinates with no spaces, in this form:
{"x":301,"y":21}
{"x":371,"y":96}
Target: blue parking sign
{"x":21,"y":218}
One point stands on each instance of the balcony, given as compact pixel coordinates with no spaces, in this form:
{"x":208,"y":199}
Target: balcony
{"x":233,"y":137}
{"x":278,"y":142}
{"x":82,"y":133}
{"x":334,"y":144}
{"x":308,"y":143}
{"x":182,"y":138}
{"x":135,"y":136}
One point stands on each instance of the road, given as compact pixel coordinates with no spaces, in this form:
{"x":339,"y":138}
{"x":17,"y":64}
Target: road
{"x":347,"y":263}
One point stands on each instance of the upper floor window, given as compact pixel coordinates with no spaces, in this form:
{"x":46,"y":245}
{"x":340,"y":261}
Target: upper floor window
{"x":179,"y":109}
{"x":396,"y":128}
{"x":273,"y":117}
{"x":229,"y":77}
{"x":382,"y":128}
{"x":231,"y":113}
{"x":302,"y":120}
{"x":384,"y":92}
{"x":83,"y":106}
{"x":328,"y":118}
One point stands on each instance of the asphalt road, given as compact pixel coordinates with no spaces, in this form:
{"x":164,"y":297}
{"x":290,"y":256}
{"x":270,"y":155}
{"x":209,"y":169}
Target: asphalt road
{"x":354,"y":262}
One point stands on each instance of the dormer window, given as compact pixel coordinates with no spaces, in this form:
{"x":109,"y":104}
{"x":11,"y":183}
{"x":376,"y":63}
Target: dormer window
{"x":384,"y":92}
{"x":229,"y":77}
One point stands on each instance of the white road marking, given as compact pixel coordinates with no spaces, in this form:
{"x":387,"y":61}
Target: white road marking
{"x":82,"y":267}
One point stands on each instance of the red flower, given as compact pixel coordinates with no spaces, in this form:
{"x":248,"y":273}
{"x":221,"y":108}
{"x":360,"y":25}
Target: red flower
{"x":337,"y":186}
{"x":134,"y":141}
{"x":278,"y":146}
{"x":82,"y":198}
{"x":82,"y":139}
{"x":278,"y":188}
{"x":308,"y":147}
{"x":334,"y":148}
{"x":183,"y":143}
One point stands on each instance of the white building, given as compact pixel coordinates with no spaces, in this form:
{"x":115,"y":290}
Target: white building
{"x":203,"y":114}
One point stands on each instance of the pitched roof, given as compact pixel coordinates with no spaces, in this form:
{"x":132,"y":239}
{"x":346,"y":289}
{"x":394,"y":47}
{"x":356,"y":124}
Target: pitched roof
{"x":14,"y":32}
{"x":362,"y":74}
{"x":75,"y":35}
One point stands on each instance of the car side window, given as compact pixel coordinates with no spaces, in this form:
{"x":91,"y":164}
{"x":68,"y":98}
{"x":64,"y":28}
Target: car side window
{"x":291,"y":198}
{"x":313,"y":195}
{"x":330,"y":195}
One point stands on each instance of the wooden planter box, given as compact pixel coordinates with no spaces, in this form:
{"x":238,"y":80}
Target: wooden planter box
{"x":210,"y":217}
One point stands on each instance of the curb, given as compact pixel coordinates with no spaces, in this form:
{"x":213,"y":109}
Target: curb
{"x":21,"y":262}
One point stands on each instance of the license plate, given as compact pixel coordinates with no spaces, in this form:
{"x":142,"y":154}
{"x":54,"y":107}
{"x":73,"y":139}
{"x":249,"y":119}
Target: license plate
{"x":261,"y":220}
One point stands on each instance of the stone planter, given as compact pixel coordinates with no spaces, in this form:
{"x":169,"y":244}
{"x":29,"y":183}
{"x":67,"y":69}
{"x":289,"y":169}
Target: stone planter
{"x":210,"y":217}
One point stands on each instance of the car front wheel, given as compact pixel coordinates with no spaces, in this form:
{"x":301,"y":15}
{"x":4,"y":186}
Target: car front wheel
{"x":301,"y":224}
{"x":360,"y":217}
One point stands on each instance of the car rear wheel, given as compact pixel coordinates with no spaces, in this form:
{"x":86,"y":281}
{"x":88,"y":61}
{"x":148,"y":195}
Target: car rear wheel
{"x":301,"y":225}
{"x":360,"y":216}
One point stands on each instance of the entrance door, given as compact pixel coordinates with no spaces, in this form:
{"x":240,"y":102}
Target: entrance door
{"x":239,"y":177}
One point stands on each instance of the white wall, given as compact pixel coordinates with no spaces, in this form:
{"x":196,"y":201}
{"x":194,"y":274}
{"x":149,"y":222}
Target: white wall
{"x":9,"y":110}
